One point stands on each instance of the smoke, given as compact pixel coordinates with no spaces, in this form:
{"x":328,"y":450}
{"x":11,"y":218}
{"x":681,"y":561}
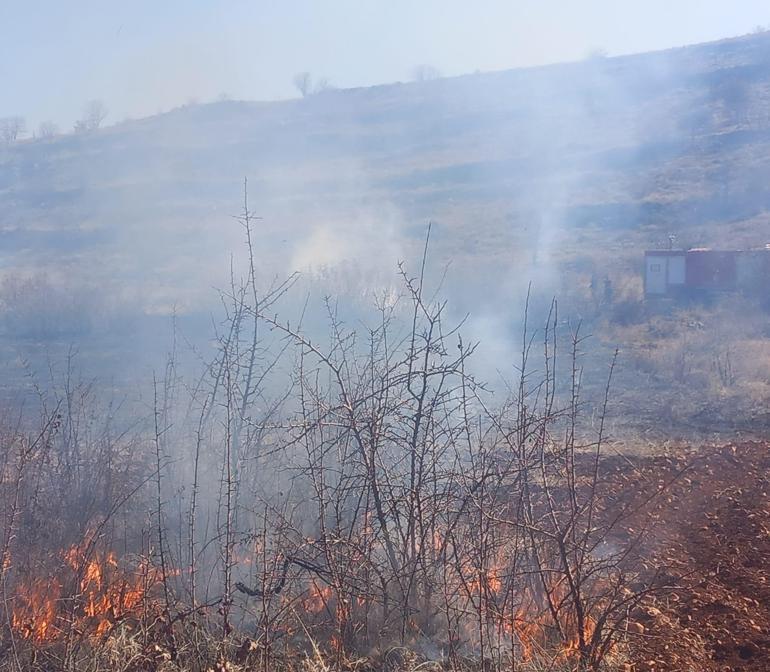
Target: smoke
{"x":534,"y":185}
{"x":355,"y":255}
{"x":546,"y":181}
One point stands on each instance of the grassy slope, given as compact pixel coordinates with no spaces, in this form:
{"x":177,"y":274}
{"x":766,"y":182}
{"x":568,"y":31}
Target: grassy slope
{"x":573,"y":168}
{"x":623,"y":149}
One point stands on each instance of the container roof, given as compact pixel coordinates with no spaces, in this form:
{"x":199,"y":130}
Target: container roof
{"x":665,"y":253}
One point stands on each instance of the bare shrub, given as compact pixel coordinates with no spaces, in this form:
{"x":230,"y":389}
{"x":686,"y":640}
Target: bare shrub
{"x":425,"y":73}
{"x":11,"y":128}
{"x":47,"y":129}
{"x":377,"y":495}
{"x":94,"y":113}
{"x":303,"y":82}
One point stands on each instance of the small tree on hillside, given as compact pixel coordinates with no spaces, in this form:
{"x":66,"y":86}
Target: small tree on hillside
{"x":303,"y":81}
{"x":11,"y":128}
{"x":94,"y":114}
{"x":425,"y":73}
{"x":323,"y":84}
{"x":47,"y":129}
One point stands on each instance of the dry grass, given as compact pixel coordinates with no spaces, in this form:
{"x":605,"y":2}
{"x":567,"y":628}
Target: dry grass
{"x":693,"y":371}
{"x":126,"y":649}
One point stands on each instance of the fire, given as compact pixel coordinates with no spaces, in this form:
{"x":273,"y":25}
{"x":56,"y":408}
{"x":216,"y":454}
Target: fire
{"x":35,"y":608}
{"x":535,"y":628}
{"x":524,"y":615}
{"x":317,"y":599}
{"x":89,"y":593}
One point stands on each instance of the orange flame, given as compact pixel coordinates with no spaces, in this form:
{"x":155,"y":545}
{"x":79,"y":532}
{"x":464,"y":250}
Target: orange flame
{"x":317,"y":599}
{"x":102,"y":595}
{"x":532,"y":626}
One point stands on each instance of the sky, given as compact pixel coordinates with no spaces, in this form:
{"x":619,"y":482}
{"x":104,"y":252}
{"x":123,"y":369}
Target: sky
{"x":141,"y":57}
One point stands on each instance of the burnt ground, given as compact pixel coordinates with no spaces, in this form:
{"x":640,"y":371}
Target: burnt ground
{"x":714,"y":551}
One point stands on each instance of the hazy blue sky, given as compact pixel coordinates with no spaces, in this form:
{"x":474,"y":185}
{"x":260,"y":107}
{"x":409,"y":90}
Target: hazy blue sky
{"x":143,"y":56}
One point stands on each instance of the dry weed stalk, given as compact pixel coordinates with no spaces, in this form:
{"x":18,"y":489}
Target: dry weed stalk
{"x":380,"y":496}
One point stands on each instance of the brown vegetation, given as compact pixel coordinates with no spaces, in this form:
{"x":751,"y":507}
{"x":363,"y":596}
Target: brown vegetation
{"x":380,"y":509}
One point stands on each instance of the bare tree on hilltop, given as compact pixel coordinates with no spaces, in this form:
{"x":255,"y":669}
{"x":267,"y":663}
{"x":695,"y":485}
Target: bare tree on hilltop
{"x":11,"y":128}
{"x":425,"y":73}
{"x":94,"y":113}
{"x":303,"y":81}
{"x":47,"y":129}
{"x":323,"y":84}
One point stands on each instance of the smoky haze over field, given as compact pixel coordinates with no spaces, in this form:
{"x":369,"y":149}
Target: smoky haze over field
{"x":558,"y":177}
{"x":382,"y":375}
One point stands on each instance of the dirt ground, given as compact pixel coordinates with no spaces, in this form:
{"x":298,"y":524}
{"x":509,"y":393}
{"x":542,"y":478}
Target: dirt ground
{"x":714,"y":549}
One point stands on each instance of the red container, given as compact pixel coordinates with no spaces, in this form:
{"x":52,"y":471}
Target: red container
{"x":710,"y":269}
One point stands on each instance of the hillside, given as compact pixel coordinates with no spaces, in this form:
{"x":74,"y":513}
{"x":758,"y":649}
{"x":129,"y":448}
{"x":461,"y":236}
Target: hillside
{"x":369,"y":380}
{"x":559,"y":176}
{"x":618,"y":150}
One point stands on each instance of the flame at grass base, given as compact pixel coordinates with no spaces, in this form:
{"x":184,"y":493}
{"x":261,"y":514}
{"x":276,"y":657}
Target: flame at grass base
{"x":88,"y":593}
